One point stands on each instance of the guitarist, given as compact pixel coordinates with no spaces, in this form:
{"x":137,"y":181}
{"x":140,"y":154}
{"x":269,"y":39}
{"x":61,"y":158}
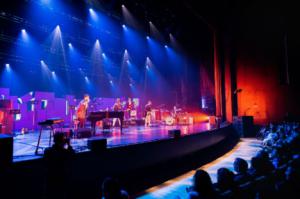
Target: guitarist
{"x":82,"y":110}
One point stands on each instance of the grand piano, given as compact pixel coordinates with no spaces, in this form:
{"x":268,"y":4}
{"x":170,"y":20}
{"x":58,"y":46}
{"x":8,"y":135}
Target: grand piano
{"x":93,"y":117}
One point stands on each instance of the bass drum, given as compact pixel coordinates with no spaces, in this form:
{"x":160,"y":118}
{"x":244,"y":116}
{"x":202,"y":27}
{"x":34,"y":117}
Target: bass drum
{"x":170,"y":120}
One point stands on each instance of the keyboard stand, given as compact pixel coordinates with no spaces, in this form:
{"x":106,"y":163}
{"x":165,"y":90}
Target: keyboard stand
{"x":40,"y":135}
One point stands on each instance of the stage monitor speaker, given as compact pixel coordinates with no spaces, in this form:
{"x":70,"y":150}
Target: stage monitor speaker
{"x":244,"y":125}
{"x":6,"y":151}
{"x":83,"y":133}
{"x":175,"y":133}
{"x":97,"y":144}
{"x":248,"y":126}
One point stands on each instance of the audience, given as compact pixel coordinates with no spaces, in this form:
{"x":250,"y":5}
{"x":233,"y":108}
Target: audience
{"x":274,"y":171}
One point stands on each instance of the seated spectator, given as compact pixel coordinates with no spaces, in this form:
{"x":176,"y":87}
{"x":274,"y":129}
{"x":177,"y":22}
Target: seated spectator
{"x":202,"y":186}
{"x":241,"y":168}
{"x":290,"y":187}
{"x":225,"y":180}
{"x":58,"y":160}
{"x":111,"y":189}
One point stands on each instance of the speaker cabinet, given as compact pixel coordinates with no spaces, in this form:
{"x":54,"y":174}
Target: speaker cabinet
{"x":175,"y":133}
{"x":97,"y":144}
{"x":6,"y":151}
{"x":244,"y":125}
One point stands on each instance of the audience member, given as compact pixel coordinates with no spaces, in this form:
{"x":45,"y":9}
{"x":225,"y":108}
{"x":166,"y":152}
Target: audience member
{"x":241,"y":168}
{"x":58,"y":163}
{"x":111,"y":189}
{"x":202,"y":186}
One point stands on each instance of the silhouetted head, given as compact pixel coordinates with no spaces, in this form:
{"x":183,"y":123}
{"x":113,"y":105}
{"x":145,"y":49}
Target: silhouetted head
{"x":240,"y":165}
{"x":111,"y":188}
{"x":59,"y":139}
{"x":225,"y":179}
{"x":202,"y":182}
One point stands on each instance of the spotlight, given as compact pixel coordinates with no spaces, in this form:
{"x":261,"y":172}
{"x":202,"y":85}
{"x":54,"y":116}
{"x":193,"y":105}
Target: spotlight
{"x":70,"y":45}
{"x":130,"y":84}
{"x":86,"y":78}
{"x":125,"y":51}
{"x":91,"y":10}
{"x":150,"y":22}
{"x":123,"y":6}
{"x":53,"y":72}
{"x":42,"y":61}
{"x":148,"y":37}
{"x":7,"y":65}
{"x":103,"y":54}
{"x":166,"y":46}
{"x":23,"y":31}
{"x":124,"y":26}
{"x":58,"y":26}
{"x":111,"y":82}
{"x":147,"y":67}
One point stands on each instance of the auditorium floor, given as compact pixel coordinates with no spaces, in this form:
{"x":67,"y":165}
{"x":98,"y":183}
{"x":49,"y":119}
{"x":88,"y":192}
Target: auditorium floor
{"x":25,"y":145}
{"x":176,"y":188}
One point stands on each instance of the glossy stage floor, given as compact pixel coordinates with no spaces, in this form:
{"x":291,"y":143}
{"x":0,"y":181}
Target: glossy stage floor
{"x":25,"y":145}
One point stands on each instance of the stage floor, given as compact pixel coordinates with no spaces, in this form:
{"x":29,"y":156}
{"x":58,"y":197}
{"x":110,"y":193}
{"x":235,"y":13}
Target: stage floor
{"x":25,"y":145}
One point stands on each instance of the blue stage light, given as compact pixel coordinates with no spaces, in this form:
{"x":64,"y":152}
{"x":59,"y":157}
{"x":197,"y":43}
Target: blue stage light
{"x":70,"y":45}
{"x":23,"y":31}
{"x":124,"y":26}
{"x":7,"y":66}
{"x":111,"y":82}
{"x":148,"y":37}
{"x":42,"y":62}
{"x":53,"y":72}
{"x":166,"y":46}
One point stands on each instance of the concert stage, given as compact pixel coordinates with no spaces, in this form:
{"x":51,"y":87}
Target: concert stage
{"x":25,"y":144}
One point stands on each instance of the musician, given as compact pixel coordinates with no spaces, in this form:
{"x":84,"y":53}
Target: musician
{"x":117,"y":107}
{"x":148,"y":108}
{"x":82,"y":110}
{"x":129,"y":107}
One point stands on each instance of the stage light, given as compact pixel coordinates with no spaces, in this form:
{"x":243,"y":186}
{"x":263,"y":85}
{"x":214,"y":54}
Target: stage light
{"x":150,"y":22}
{"x":166,"y":46}
{"x":125,"y":50}
{"x":7,"y":66}
{"x":148,"y":37}
{"x":91,"y":10}
{"x":124,"y":26}
{"x":53,"y":72}
{"x":103,"y":55}
{"x":70,"y":45}
{"x":23,"y":31}
{"x":130,"y":84}
{"x":123,"y":6}
{"x":42,"y":61}
{"x":58,"y":27}
{"x":111,"y":82}
{"x":86,"y":78}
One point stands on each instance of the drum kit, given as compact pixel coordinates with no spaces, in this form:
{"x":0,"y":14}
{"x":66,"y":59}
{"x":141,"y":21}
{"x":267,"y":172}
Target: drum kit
{"x":167,"y":117}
